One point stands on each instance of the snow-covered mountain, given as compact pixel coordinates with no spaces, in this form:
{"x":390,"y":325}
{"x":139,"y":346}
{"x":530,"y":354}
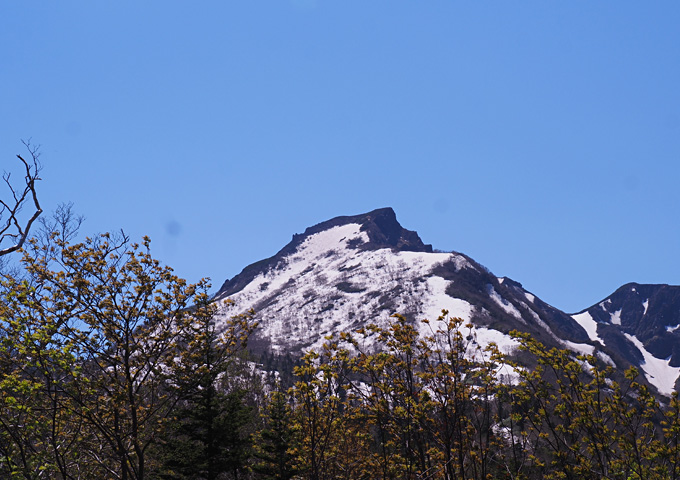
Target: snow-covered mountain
{"x":640,"y":323}
{"x":349,"y":271}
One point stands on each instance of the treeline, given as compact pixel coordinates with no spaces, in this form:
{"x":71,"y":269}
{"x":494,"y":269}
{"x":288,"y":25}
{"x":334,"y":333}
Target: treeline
{"x":111,"y":367}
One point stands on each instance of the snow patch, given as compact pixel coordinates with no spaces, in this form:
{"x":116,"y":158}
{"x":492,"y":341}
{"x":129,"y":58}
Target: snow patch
{"x":582,"y":348}
{"x":606,"y":359}
{"x":672,"y":329}
{"x":589,"y":325}
{"x":504,"y":342}
{"x":438,"y":300}
{"x":657,"y":371}
{"x":616,"y":317}
{"x":646,"y":305}
{"x":504,"y":304}
{"x":460,"y":262}
{"x":530,"y":297}
{"x":540,"y":322}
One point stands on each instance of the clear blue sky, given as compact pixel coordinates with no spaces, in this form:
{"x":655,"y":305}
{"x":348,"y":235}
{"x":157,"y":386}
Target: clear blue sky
{"x":542,"y":138}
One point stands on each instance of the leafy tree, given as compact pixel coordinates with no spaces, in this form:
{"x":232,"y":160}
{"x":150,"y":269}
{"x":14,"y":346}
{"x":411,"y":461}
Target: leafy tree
{"x":25,"y":349}
{"x":118,"y":312}
{"x":395,"y":402}
{"x":316,"y":410}
{"x":410,"y":407}
{"x":429,"y":399}
{"x":583,"y":424}
{"x":670,"y":446}
{"x":99,"y":348}
{"x":462,"y":379}
{"x":39,"y":436}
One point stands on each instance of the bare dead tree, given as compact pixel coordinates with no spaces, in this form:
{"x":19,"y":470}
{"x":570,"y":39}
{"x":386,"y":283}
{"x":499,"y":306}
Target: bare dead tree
{"x":14,"y":228}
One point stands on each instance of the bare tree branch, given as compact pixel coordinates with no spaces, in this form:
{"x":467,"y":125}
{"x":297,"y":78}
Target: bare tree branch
{"x":13,"y":228}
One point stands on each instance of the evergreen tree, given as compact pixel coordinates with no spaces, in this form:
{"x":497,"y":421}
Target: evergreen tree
{"x":206,"y":438}
{"x":208,"y":435}
{"x":277,"y":442}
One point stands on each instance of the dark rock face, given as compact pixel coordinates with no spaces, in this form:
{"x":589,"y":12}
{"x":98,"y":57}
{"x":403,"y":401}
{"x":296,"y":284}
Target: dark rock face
{"x":384,"y":231}
{"x":382,"y":227}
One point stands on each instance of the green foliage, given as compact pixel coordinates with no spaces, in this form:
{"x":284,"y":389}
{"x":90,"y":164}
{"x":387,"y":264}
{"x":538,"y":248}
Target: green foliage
{"x":582,"y":424}
{"x":98,"y":349}
{"x":117,"y":310}
{"x":434,"y":406}
{"x":415,"y":407}
{"x":37,"y":433}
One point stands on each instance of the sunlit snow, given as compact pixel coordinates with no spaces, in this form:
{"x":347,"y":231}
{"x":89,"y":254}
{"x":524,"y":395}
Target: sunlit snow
{"x":505,"y":343}
{"x":504,"y":304}
{"x":438,"y":300}
{"x":589,"y":325}
{"x":326,"y":287}
{"x":657,"y":371}
{"x":582,"y":348}
{"x":606,"y":359}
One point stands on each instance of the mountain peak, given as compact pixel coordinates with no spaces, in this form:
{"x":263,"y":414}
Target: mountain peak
{"x":380,"y":226}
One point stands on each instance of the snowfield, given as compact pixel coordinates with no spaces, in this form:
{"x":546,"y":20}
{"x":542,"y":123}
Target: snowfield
{"x":328,"y":286}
